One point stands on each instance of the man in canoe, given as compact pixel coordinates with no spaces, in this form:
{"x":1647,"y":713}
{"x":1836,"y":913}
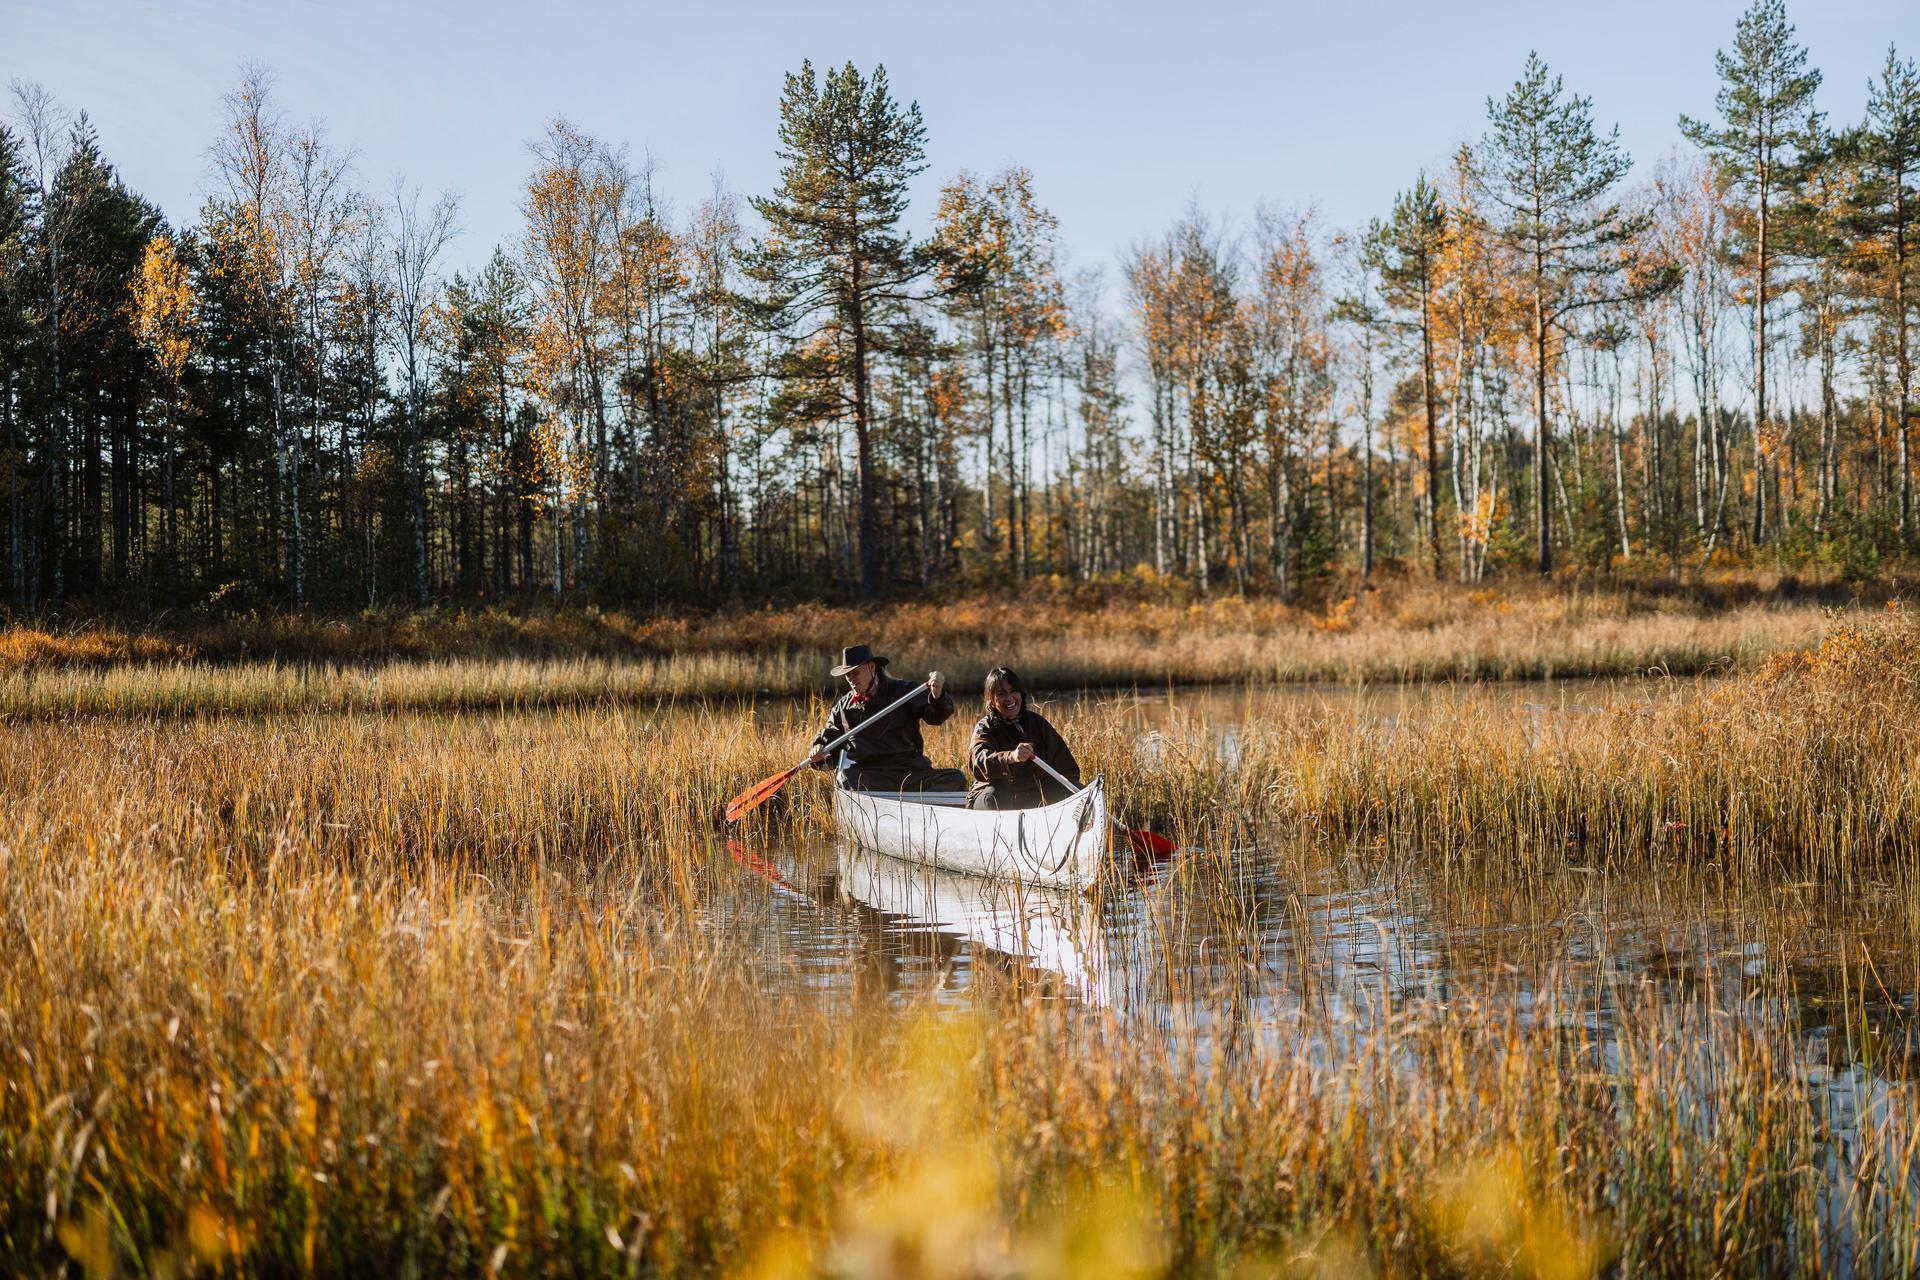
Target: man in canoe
{"x":1008,"y":739}
{"x":888,"y":755}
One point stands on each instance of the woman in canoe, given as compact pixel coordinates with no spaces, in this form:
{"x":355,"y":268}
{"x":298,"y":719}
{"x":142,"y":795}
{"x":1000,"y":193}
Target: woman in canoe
{"x":1008,"y":739}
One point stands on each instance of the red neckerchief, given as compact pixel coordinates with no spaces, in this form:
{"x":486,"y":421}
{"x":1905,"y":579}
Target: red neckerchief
{"x":861,"y":699}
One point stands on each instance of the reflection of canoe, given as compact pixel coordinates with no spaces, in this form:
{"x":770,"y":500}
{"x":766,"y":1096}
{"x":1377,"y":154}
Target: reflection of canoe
{"x":1063,"y":845}
{"x":1048,"y":928}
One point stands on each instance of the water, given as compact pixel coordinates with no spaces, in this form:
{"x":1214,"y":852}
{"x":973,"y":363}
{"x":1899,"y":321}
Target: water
{"x":1281,"y":933}
{"x":1255,"y":939}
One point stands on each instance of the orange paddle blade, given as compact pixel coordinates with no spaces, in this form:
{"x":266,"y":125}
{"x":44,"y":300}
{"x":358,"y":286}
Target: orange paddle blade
{"x":759,"y":866}
{"x":756,"y":795}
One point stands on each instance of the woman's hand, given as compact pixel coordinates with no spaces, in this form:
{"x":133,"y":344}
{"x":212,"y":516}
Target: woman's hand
{"x":1023,"y":753}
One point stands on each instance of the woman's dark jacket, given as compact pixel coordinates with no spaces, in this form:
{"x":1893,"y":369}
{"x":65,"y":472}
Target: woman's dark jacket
{"x":990,"y":756}
{"x":894,"y":741}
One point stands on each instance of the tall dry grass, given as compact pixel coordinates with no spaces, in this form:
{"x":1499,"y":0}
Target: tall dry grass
{"x":406,"y":993}
{"x":495,"y":660}
{"x":1808,"y":766}
{"x":350,"y":1073}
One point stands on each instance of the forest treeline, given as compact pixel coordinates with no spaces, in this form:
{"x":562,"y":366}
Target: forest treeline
{"x":1535,"y":357}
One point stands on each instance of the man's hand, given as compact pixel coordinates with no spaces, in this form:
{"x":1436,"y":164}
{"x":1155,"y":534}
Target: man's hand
{"x":819,"y":754}
{"x":1023,"y":753}
{"x":936,"y":684}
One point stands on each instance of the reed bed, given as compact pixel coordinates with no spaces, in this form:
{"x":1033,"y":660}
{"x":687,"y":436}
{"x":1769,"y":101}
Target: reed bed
{"x":492,"y":662}
{"x":1809,"y":766}
{"x":392,"y":992}
{"x":339,"y":1072}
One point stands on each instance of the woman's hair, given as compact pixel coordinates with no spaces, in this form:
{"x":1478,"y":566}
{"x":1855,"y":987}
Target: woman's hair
{"x":1003,"y":678}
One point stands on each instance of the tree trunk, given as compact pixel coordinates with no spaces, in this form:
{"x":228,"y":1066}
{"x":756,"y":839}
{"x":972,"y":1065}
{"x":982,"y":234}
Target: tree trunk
{"x":863,"y":446}
{"x":417,"y":483}
{"x":1620,"y":495}
{"x":1542,"y":446}
{"x":57,"y":455}
{"x":1903,"y":360}
{"x":1760,"y":367}
{"x":1366,"y":466}
{"x":1433,"y":435}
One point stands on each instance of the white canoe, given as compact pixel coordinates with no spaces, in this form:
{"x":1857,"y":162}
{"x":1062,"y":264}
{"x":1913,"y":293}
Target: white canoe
{"x":1062,"y":845}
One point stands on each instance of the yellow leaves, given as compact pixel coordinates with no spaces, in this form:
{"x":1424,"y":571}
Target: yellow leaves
{"x":246,"y":252}
{"x":997,"y":237}
{"x":1492,"y":600}
{"x":948,"y":392}
{"x":209,"y":1237}
{"x":1339,"y":616}
{"x":164,"y":307}
{"x":1477,"y":525}
{"x":939,"y":1206}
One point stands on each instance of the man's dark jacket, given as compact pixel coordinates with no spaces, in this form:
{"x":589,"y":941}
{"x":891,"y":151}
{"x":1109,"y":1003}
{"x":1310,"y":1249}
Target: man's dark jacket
{"x":990,"y":757}
{"x":893,"y":743}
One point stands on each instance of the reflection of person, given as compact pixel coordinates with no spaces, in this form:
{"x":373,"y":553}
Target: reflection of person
{"x":889,"y":756}
{"x":1005,"y":741}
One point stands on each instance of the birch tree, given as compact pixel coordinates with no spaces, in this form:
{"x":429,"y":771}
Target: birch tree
{"x":420,"y":237}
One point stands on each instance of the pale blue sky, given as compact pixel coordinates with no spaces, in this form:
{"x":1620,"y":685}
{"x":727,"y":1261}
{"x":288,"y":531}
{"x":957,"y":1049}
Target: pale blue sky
{"x":1124,"y":111}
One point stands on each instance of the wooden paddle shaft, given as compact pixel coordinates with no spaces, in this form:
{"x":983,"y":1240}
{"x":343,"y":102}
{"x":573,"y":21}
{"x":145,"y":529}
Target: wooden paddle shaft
{"x":1147,"y":840}
{"x":848,"y":736}
{"x":1057,"y":776}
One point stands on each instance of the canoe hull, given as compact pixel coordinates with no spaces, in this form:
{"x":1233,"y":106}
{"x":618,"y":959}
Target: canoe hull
{"x":1061,"y":845}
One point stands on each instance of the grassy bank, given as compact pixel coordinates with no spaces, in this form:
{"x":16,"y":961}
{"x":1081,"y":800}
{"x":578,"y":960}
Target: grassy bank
{"x":493,"y":660}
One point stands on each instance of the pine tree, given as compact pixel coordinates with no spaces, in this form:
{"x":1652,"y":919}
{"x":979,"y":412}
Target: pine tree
{"x":1766,"y":105}
{"x":1889,"y":202}
{"x":837,"y":262}
{"x":1405,"y":249}
{"x":15,"y":291}
{"x":1547,"y":170}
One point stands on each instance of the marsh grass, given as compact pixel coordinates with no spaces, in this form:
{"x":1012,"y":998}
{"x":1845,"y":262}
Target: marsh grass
{"x":392,"y":992}
{"x":1808,"y":767}
{"x":502,"y":662}
{"x":349,"y":1074}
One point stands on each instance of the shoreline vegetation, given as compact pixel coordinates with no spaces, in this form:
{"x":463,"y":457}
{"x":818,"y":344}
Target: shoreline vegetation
{"x":352,"y":993}
{"x":1059,"y":639}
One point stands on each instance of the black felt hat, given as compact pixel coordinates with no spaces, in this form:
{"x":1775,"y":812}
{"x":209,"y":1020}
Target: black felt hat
{"x":854,"y":655}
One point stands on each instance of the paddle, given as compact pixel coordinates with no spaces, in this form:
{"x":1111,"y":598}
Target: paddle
{"x":1144,"y":842}
{"x":758,"y":794}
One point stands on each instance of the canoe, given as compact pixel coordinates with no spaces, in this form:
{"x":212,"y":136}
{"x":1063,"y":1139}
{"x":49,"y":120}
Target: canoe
{"x":1048,"y":930}
{"x":1061,"y":845}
